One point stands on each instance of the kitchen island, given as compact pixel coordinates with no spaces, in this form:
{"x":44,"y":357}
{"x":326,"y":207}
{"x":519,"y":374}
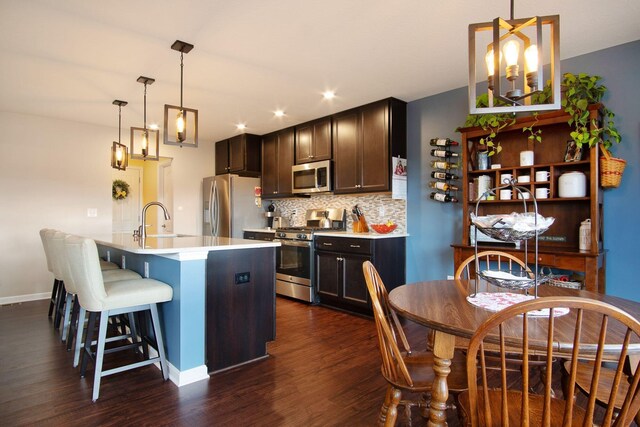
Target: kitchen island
{"x":223,"y":308}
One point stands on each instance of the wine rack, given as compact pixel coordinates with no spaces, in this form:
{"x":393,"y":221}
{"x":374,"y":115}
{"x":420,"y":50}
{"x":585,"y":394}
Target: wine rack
{"x":444,"y":175}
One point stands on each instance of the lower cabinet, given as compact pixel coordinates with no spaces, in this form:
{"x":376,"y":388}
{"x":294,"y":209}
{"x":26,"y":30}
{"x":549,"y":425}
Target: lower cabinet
{"x":240,"y":306}
{"x":339,"y":278}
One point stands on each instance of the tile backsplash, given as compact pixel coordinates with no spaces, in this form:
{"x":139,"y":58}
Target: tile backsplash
{"x":377,"y":208}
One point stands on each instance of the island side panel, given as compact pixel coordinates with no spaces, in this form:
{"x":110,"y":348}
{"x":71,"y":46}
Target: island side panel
{"x":240,"y":317}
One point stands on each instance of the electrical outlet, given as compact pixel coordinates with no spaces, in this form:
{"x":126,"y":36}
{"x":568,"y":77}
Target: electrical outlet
{"x":124,"y":262}
{"x":92,"y":212}
{"x":243,"y":277}
{"x":449,"y":277}
{"x":146,"y":270}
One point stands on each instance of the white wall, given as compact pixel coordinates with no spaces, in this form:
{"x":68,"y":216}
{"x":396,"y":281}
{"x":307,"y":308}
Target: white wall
{"x":52,"y":172}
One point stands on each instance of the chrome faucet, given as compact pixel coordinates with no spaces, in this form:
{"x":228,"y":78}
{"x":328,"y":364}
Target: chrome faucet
{"x":142,"y":232}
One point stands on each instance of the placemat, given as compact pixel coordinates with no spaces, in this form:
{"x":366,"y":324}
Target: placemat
{"x":496,"y":301}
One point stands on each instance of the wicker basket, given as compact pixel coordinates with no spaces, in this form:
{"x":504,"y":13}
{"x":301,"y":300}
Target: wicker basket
{"x":611,"y":169}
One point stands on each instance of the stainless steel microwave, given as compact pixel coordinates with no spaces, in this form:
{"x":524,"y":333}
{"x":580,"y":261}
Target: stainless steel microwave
{"x":311,"y":177}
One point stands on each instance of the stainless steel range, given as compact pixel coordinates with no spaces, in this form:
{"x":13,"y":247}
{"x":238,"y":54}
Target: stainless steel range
{"x":295,"y":258}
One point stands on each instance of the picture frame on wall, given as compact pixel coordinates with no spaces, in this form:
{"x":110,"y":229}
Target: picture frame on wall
{"x":573,"y":153}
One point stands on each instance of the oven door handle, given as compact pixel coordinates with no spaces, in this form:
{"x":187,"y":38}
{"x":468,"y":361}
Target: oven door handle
{"x":297,"y":243}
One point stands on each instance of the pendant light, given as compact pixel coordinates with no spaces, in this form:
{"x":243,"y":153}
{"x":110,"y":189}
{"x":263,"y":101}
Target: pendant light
{"x":142,"y":139}
{"x":520,"y":42}
{"x":181,"y":123}
{"x":119,"y":153}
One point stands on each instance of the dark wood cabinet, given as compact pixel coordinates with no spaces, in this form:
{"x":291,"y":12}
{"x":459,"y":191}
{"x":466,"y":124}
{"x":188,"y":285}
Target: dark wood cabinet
{"x":313,"y":141}
{"x":364,"y":141}
{"x":277,"y":160}
{"x":239,"y":154}
{"x":338,"y":269}
{"x":559,"y":245}
{"x":240,"y":306}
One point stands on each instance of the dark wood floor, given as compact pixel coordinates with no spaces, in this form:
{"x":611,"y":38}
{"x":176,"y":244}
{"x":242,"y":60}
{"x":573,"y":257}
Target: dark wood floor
{"x":324,"y":370}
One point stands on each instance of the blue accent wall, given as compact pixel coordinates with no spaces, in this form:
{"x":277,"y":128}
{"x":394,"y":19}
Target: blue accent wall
{"x":434,"y":226}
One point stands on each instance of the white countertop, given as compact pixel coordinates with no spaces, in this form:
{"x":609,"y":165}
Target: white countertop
{"x":370,"y":235}
{"x":177,"y":245}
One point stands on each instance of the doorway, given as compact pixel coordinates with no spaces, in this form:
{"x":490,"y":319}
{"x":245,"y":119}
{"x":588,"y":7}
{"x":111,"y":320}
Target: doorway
{"x":126,"y":212}
{"x":148,"y":181}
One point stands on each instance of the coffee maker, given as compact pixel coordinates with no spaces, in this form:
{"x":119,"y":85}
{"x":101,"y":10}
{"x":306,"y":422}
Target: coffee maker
{"x":270,"y":214}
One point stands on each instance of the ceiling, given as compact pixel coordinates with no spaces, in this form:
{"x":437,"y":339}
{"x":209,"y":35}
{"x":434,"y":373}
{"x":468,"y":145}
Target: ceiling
{"x":70,"y":59}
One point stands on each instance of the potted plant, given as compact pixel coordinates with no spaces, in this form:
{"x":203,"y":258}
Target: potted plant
{"x":493,"y":123}
{"x":579,"y":91}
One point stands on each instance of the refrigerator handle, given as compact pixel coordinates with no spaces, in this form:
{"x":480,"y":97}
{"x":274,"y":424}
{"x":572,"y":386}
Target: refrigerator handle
{"x":215,"y":214}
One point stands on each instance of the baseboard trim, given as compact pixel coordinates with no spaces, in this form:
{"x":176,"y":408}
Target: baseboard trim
{"x":182,"y":378}
{"x":24,"y":298}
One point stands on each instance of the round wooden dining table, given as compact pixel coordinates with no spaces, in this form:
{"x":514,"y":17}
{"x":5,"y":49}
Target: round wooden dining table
{"x":442,"y":306}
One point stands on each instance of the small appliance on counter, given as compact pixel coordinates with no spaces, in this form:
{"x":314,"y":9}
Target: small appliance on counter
{"x":271,"y":213}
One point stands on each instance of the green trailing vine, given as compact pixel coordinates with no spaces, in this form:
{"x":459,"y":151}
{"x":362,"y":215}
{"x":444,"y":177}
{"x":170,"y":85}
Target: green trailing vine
{"x":491,"y":122}
{"x":119,"y":189}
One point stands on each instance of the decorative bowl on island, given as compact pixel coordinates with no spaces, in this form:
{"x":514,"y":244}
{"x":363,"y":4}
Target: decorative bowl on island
{"x":384,"y":228}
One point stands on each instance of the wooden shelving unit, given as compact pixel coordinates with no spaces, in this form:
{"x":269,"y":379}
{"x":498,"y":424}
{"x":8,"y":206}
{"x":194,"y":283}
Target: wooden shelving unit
{"x":558,"y":247}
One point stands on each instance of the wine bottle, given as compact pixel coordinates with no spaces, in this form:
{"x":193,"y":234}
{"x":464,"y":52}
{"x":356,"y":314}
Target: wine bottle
{"x":444,"y":186}
{"x":439,"y":152}
{"x":443,"y":175}
{"x":441,"y":164}
{"x":442,"y":142}
{"x":444,"y":198}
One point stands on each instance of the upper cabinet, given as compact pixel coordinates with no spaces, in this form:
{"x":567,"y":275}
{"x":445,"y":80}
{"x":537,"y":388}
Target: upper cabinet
{"x":313,"y":141}
{"x":364,"y":141}
{"x":239,"y":154}
{"x":277,"y":160}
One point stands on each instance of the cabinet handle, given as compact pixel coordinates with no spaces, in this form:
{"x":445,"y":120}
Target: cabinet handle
{"x":354,"y":246}
{"x":339,"y":259}
{"x":311,"y":156}
{"x":327,"y":244}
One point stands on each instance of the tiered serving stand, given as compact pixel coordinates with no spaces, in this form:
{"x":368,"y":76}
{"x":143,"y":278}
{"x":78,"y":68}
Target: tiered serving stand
{"x":524,"y":280}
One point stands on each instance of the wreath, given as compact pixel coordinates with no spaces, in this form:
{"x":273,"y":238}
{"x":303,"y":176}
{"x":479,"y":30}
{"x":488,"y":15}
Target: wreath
{"x":119,"y":189}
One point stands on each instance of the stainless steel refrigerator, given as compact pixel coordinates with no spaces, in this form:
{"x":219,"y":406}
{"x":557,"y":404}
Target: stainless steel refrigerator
{"x":229,"y":205}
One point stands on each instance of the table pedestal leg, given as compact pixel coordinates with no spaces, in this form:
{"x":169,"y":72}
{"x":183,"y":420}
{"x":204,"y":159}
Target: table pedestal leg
{"x":443,"y":347}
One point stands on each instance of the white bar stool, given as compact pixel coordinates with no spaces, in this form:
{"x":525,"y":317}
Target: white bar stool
{"x":113,"y":298}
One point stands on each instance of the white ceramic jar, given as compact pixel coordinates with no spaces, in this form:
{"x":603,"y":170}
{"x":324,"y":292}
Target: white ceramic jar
{"x":572,"y":184}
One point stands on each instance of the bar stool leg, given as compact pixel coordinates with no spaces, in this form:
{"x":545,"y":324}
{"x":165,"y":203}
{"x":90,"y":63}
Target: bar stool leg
{"x":86,"y":354}
{"x":102,"y":338}
{"x":73,"y":324}
{"x":54,"y":296}
{"x":159,"y":342}
{"x":66,"y":319}
{"x":59,"y":305}
{"x":81,"y":317}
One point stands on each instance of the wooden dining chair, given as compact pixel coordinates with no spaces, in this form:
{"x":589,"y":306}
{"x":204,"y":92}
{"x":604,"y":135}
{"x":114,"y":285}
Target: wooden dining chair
{"x":595,"y":327}
{"x":406,"y":369}
{"x":605,"y":384}
{"x":493,"y":260}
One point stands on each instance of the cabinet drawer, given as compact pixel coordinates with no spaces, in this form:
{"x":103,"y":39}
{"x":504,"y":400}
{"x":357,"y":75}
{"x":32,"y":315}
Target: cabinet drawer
{"x":543,"y":259}
{"x":340,"y":244}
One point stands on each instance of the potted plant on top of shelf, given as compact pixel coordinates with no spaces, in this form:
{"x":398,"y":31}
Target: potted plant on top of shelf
{"x":579,"y":91}
{"x":491,"y":122}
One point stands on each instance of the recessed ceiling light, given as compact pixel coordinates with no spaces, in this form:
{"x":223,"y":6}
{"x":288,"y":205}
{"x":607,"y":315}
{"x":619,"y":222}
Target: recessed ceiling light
{"x":241,"y":126}
{"x":329,"y":94}
{"x":278,"y":113}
